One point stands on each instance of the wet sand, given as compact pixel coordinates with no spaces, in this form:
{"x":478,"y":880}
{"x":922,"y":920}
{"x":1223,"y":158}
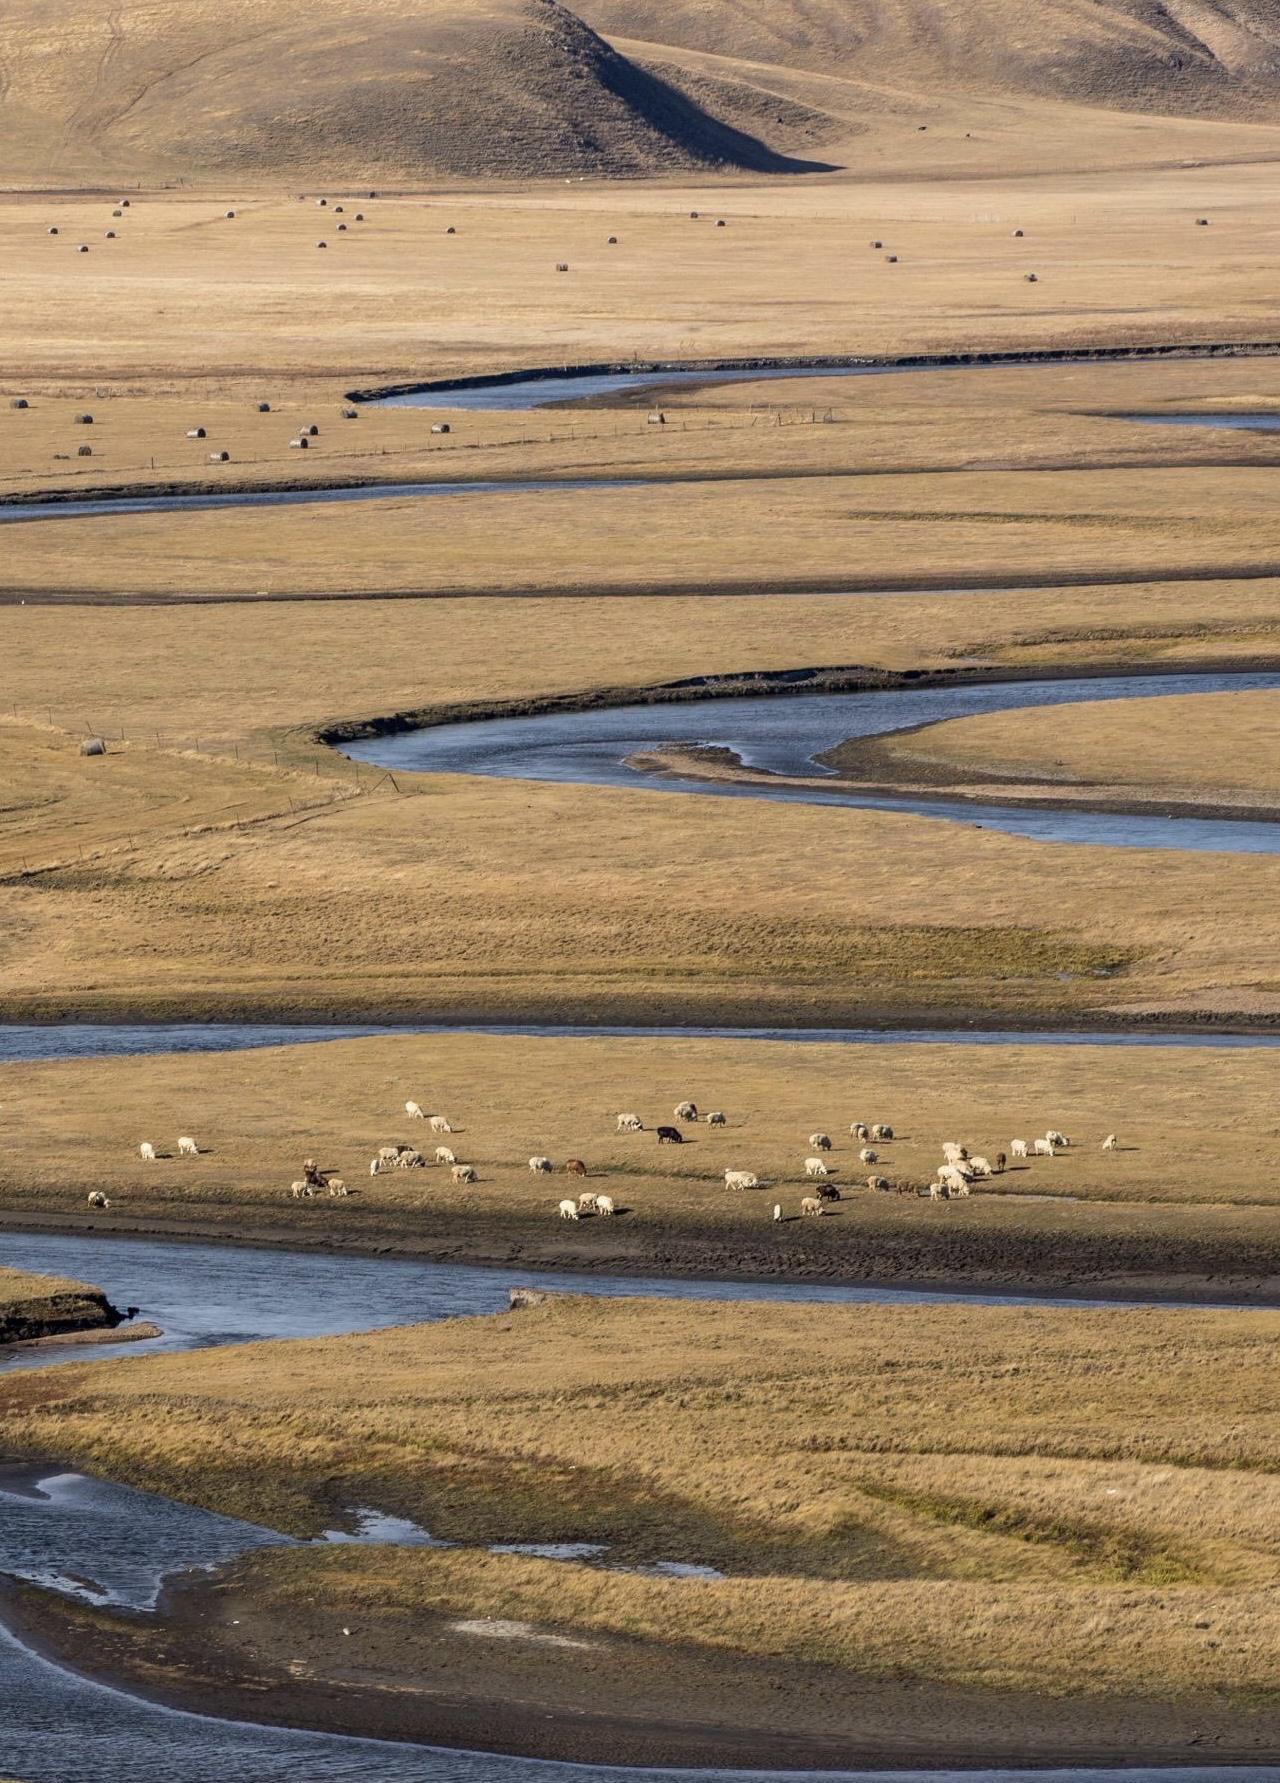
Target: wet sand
{"x":596,"y":1699}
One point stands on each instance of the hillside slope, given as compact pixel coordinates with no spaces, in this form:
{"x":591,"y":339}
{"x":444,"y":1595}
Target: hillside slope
{"x":366,"y":88}
{"x":1174,"y":56}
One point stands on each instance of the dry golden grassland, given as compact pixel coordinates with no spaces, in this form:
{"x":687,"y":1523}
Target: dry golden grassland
{"x":1187,"y":1198}
{"x":18,"y":1288}
{"x":1217,"y":748}
{"x":1047,"y":1500}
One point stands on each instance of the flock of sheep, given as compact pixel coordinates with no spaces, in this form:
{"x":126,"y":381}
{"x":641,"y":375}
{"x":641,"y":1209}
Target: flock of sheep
{"x":952,"y":1179}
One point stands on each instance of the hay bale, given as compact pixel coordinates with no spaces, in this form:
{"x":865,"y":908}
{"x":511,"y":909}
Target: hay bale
{"x":84,"y":451}
{"x":342,"y":228}
{"x":338,"y":209}
{"x":93,"y":746}
{"x":1202,"y":222}
{"x":219,"y":458}
{"x":124,"y":204}
{"x":19,"y":402}
{"x":117,"y":213}
{"x":110,"y":235}
{"x":349,"y":414}
{"x":451,"y":230}
{"x":196,"y":433}
{"x":612,"y":242}
{"x":322,"y":244}
{"x":230,"y":213}
{"x":892,"y":259}
{"x":83,"y":420}
{"x":312,"y":429}
{"x":721,"y":224}
{"x":301,"y":443}
{"x":53,"y":229}
{"x":562,"y":266}
{"x":264,"y":408}
{"x":83,"y":248}
{"x":1032,"y":278}
{"x":877,"y":244}
{"x":322,"y":203}
{"x":359,"y":216}
{"x":1017,"y":235}
{"x":441,"y":427}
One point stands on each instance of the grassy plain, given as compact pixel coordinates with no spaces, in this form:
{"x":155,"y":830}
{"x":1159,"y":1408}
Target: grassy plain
{"x":1044,"y":1501}
{"x":1213,"y":749}
{"x":1187,"y":1203}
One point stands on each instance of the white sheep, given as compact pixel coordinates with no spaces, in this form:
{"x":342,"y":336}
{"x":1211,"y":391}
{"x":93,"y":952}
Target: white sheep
{"x":937,"y":1191}
{"x":373,"y":1166}
{"x":867,"y":1156}
{"x":1044,"y":1148}
{"x":685,"y":1111}
{"x":777,"y":1210}
{"x":187,"y":1147}
{"x":439,"y":1124}
{"x":148,"y":1151}
{"x":336,"y":1186}
{"x":587,"y":1203}
{"x":463,"y":1173}
{"x":815,"y":1167}
{"x":952,"y":1177}
{"x":717,"y":1118}
{"x":953,"y":1152}
{"x":604,"y":1205}
{"x":301,"y":1188}
{"x":741,"y":1179}
{"x":1058,"y":1141}
{"x":1111,"y":1143}
{"x":820,"y":1142}
{"x":1017,"y":1148}
{"x":568,"y":1210}
{"x":414,"y":1111}
{"x":388,"y":1156}
{"x":98,"y":1199}
{"x":444,"y":1155}
{"x":409,"y":1159}
{"x":880,"y":1131}
{"x":980,"y":1167}
{"x":811,"y":1204}
{"x":630,"y":1123}
{"x":860,"y":1130}
{"x":540,"y":1166}
{"x":880,"y":1184}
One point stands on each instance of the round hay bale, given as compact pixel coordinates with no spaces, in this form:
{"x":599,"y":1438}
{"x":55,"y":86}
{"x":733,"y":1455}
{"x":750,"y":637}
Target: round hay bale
{"x":1017,"y":234}
{"x":110,"y":235}
{"x":359,"y":216}
{"x":612,"y":242}
{"x":196,"y":433}
{"x":53,"y":229}
{"x":322,"y":244}
{"x":1032,"y":278}
{"x":892,"y":259}
{"x":84,"y":451}
{"x":83,"y":420}
{"x":264,"y":408}
{"x":124,"y":204}
{"x":93,"y":746}
{"x":219,"y":458}
{"x":877,"y":244}
{"x":83,"y":248}
{"x":342,"y":228}
{"x":117,"y":213}
{"x":230,"y":213}
{"x":322,"y":203}
{"x":694,"y":215}
{"x":312,"y":429}
{"x":441,"y":427}
{"x":301,"y":443}
{"x":19,"y":402}
{"x":721,"y":224}
{"x":338,"y":209}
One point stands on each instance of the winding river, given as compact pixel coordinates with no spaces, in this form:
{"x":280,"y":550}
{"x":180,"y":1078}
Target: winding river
{"x":785,"y":734}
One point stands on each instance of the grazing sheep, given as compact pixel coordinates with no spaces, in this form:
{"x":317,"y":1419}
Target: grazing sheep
{"x":815,"y":1167}
{"x":1110,"y":1143}
{"x":300,"y":1188}
{"x":880,"y":1131}
{"x":820,"y":1142}
{"x":880,"y":1184}
{"x":414,"y":1111}
{"x":1017,"y":1148}
{"x":670,"y":1136}
{"x":860,"y":1130}
{"x":1058,"y":1141}
{"x":439,"y":1124}
{"x":604,"y":1205}
{"x":148,"y":1151}
{"x":952,"y":1177}
{"x":1000,"y":1163}
{"x":717,"y":1118}
{"x":389,"y":1155}
{"x":979,"y":1167}
{"x":828,"y":1192}
{"x":444,"y":1155}
{"x":954,"y":1153}
{"x":1043,"y":1148}
{"x":574,"y":1167}
{"x":540,"y":1166}
{"x":741,"y":1179}
{"x":568,"y":1210}
{"x":373,"y":1166}
{"x":410,"y":1159}
{"x":811,"y":1204}
{"x":685,"y":1111}
{"x":938,"y":1191}
{"x":962,"y":1193}
{"x":187,"y":1147}
{"x":629,"y":1123}
{"x":463,"y":1173}
{"x":337,"y":1187}
{"x":98,"y":1199}
{"x":312,"y":1173}
{"x":867,"y":1156}
{"x":587,"y":1203}
{"x":777,"y":1210}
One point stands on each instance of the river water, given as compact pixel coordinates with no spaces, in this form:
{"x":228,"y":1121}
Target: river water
{"x":784,"y":734}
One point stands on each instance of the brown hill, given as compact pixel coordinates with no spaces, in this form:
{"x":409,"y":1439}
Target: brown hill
{"x":1173,"y":56}
{"x":365,"y":88}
